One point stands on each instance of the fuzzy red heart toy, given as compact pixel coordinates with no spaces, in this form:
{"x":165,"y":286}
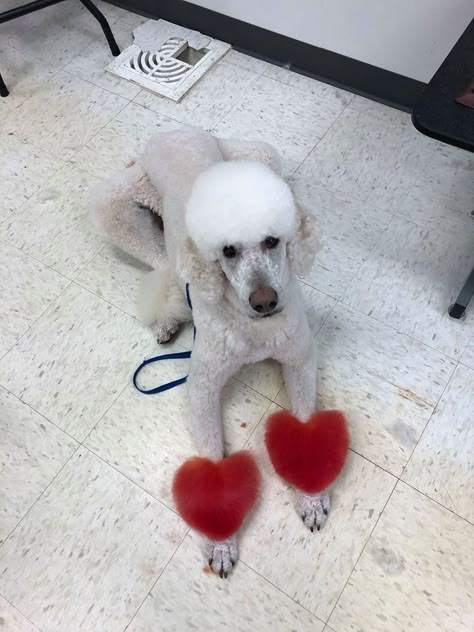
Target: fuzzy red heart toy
{"x":215,"y":497}
{"x":311,"y":455}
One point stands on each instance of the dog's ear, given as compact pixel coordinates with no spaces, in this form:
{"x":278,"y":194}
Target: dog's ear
{"x":206,"y":276}
{"x":302,"y":249}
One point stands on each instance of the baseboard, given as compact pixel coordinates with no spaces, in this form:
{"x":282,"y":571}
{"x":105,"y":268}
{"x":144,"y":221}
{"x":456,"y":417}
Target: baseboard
{"x":337,"y":70}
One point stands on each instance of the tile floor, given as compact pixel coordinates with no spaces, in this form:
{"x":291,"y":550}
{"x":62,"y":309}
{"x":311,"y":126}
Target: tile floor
{"x":89,"y":536}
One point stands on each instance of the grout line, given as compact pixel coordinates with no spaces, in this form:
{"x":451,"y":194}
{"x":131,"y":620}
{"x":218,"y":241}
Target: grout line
{"x":280,"y":590}
{"x":130,"y":480}
{"x":23,"y":518}
{"x":435,"y":408}
{"x":156,"y":581}
{"x":48,"y":307}
{"x":295,"y":172}
{"x":91,"y":83}
{"x":20,"y":612}
{"x":254,"y":390}
{"x":235,"y":102}
{"x":362,"y":551}
{"x":399,"y":331}
{"x":257,"y":425}
{"x":437,"y":502}
{"x":37,"y":412}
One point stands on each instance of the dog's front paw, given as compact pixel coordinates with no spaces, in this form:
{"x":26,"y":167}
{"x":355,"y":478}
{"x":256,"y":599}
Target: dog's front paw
{"x":166,"y":332}
{"x":313,"y":509}
{"x":222,"y":556}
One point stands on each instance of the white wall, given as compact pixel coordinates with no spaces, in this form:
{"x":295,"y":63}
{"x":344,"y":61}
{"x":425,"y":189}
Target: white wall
{"x":410,"y":37}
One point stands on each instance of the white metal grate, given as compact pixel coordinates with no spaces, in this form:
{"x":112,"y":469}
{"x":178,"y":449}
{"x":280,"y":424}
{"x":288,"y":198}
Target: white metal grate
{"x":172,"y":68}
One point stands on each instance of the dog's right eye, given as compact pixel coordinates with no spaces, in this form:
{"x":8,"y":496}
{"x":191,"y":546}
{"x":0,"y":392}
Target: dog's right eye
{"x":229,"y":252}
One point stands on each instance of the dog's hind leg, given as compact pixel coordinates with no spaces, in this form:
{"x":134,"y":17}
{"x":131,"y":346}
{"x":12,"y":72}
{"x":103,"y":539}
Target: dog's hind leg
{"x":235,"y":149}
{"x":126,"y":209}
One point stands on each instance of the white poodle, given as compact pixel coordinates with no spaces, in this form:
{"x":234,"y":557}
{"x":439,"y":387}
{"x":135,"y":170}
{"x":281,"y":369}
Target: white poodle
{"x":231,"y":228}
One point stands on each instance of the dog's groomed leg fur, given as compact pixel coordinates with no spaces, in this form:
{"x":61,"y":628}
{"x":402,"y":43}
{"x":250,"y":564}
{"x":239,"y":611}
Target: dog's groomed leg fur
{"x":162,"y":301}
{"x":122,"y":210}
{"x":204,"y":388}
{"x":300,"y":381}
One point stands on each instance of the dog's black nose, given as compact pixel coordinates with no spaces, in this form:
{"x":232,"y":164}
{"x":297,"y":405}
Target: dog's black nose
{"x":263,"y":300}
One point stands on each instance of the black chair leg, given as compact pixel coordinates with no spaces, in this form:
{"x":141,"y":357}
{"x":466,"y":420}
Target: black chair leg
{"x":458,"y":308}
{"x":3,"y":88}
{"x":115,"y":50}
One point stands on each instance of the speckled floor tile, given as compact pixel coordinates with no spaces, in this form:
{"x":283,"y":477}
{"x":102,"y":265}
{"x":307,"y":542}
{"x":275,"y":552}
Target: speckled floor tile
{"x":89,"y":551}
{"x":442,"y":465}
{"x":24,"y":170}
{"x":90,"y":65}
{"x":12,"y":620}
{"x":86,"y":545}
{"x":130,"y":20}
{"x":387,"y":384}
{"x":116,"y":277}
{"x":468,"y":355}
{"x":380,"y":111}
{"x":64,"y":115}
{"x":264,"y":377}
{"x":450,"y":174}
{"x":246,"y":601}
{"x":149,"y":437}
{"x":54,"y":226}
{"x":32,"y":452}
{"x":313,"y":568}
{"x":23,"y":74}
{"x":290,"y":119}
{"x":434,"y":210}
{"x":415,"y":573}
{"x":247,"y":62}
{"x":27,"y":289}
{"x":370,"y":159}
{"x":349,"y":230}
{"x":54,"y":34}
{"x":307,"y":84}
{"x":208,"y":100}
{"x":410,"y":280}
{"x":122,"y":140}
{"x":75,"y":360}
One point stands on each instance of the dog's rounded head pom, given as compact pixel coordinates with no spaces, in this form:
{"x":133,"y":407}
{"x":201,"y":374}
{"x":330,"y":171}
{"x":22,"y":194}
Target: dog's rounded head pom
{"x":239,"y":202}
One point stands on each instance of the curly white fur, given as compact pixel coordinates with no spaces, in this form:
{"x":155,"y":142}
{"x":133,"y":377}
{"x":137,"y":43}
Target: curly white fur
{"x":207,"y":204}
{"x":239,"y":202}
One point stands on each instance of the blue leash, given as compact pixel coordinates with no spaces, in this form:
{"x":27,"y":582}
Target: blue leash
{"x":183,"y":355}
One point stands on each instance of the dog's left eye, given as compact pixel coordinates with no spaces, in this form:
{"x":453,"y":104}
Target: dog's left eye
{"x":271,"y":242}
{"x":229,"y":252}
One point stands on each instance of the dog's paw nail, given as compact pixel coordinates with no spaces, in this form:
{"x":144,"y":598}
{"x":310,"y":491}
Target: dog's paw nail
{"x":311,"y":529}
{"x":318,"y":527}
{"x":210,"y":561}
{"x":232,"y":562}
{"x":325,"y":511}
{"x":303,"y":517}
{"x":225,"y":575}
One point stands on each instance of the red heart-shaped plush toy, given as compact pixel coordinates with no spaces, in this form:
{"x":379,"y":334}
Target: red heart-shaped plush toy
{"x":215,"y":497}
{"x":310,"y":455}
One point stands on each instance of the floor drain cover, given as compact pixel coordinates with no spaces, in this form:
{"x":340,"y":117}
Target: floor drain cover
{"x":167,"y":59}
